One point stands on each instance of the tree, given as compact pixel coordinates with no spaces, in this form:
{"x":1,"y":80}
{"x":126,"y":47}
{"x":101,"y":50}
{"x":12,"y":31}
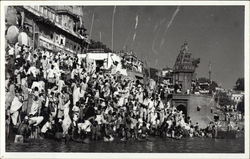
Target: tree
{"x":212,"y":85}
{"x":195,"y":62}
{"x":241,"y":106}
{"x":223,"y":99}
{"x":154,"y":74}
{"x":99,"y":45}
{"x":239,"y":84}
{"x":203,"y":80}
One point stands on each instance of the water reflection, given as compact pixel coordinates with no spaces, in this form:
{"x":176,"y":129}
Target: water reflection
{"x":149,"y":146}
{"x":160,"y":145}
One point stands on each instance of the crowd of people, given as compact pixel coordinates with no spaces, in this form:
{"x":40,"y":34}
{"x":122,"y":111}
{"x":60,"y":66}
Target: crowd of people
{"x":55,"y":95}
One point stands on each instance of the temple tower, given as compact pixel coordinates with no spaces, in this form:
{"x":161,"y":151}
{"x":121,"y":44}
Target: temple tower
{"x":184,"y":68}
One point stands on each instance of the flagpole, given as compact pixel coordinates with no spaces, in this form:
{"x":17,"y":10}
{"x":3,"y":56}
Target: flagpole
{"x":92,"y":23}
{"x":100,"y":36}
{"x":112,"y":41}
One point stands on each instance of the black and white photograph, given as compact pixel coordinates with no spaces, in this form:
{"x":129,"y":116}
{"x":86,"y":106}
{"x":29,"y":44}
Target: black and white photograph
{"x":128,"y":79}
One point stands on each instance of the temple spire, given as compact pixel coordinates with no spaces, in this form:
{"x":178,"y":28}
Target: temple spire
{"x":184,"y":47}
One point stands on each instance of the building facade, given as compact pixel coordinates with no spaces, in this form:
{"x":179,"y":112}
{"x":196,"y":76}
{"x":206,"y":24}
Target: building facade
{"x":237,"y":96}
{"x":53,"y":28}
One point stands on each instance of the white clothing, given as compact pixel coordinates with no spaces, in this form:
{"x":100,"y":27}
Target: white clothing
{"x":32,"y":70}
{"x":36,"y":120}
{"x":76,"y":95}
{"x":46,"y":127}
{"x":15,"y":105}
{"x":99,"y":119}
{"x":66,"y":121}
{"x":86,"y":126}
{"x":51,"y":73}
{"x":39,"y":85}
{"x":60,"y":85}
{"x":34,"y":107}
{"x":14,"y":117}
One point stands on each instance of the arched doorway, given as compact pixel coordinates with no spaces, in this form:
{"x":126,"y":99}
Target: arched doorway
{"x":182,"y":108}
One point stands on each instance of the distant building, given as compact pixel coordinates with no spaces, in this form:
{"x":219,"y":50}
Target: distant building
{"x":53,"y":28}
{"x":219,"y":89}
{"x":126,"y":64}
{"x":237,"y":96}
{"x":167,"y":74}
{"x":154,"y":74}
{"x":104,"y":60}
{"x":132,"y":63}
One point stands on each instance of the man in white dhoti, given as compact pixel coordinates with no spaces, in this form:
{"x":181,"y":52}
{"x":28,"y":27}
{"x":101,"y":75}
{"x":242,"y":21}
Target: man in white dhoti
{"x":66,"y":121}
{"x":14,"y":108}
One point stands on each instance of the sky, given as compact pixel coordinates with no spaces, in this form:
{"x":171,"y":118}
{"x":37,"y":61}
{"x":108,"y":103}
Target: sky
{"x":156,"y":33}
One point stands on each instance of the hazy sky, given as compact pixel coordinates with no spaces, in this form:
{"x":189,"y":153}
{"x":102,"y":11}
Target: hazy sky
{"x":213,"y":33}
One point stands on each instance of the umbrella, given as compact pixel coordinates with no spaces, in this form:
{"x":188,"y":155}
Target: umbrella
{"x":23,"y":39}
{"x":12,"y":34}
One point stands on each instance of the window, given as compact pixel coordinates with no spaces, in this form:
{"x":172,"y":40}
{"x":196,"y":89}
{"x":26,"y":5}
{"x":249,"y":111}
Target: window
{"x":41,"y":9}
{"x":56,"y":18}
{"x":36,"y":8}
{"x":68,"y":45}
{"x":74,"y":26}
{"x":65,"y":22}
{"x":60,"y":19}
{"x":53,"y":16}
{"x":45,"y":12}
{"x":49,"y":14}
{"x":70,"y":23}
{"x":198,"y":108}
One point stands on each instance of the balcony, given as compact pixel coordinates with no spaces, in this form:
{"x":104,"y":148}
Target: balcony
{"x":46,"y":40}
{"x":52,"y":22}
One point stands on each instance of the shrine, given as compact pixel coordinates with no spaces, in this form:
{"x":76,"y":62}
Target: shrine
{"x":184,"y":69}
{"x":197,"y":107}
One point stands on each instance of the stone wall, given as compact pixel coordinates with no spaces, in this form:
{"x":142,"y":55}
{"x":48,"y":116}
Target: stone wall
{"x":204,"y":115}
{"x":205,"y":103}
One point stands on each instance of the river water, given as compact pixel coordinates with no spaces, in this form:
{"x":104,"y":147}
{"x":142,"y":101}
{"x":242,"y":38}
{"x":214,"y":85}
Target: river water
{"x":159,"y":145}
